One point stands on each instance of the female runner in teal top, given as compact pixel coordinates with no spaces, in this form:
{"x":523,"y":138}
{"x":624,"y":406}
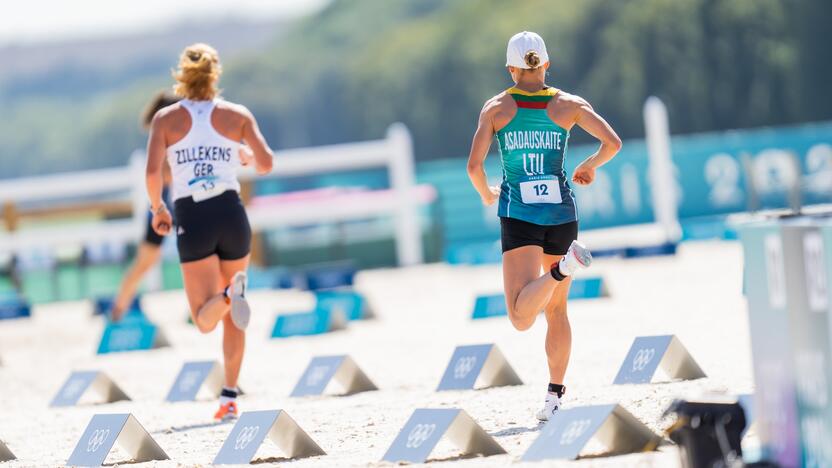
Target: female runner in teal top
{"x":537,"y":210}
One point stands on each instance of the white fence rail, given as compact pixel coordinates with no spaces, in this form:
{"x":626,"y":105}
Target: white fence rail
{"x":394,"y":152}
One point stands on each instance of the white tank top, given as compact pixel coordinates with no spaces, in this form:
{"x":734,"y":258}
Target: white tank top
{"x":204,"y":163}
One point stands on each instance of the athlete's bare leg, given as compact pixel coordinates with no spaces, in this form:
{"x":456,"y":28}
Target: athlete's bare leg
{"x":203,"y":285}
{"x":559,"y":332}
{"x":147,"y":255}
{"x":233,"y":339}
{"x":527,"y":290}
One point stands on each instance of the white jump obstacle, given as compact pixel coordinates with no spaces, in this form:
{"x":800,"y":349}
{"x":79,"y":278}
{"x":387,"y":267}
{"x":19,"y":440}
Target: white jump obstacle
{"x":195,"y":376}
{"x":252,"y":429}
{"x":426,"y":427}
{"x":5,"y":453}
{"x":324,"y":369}
{"x":395,"y":153}
{"x":102,"y":433}
{"x":651,"y":353}
{"x":570,"y":430}
{"x":478,"y":366}
{"x":81,"y":383}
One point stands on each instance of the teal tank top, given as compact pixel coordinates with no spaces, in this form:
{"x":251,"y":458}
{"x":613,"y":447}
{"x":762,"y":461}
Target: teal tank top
{"x":535,"y":188}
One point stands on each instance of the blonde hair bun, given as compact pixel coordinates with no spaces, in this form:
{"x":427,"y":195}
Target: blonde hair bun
{"x":198,"y":73}
{"x":532,"y":59}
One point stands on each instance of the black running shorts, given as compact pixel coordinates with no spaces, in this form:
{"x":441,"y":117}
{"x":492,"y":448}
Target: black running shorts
{"x":554,"y":239}
{"x":150,"y":236}
{"x":216,"y":226}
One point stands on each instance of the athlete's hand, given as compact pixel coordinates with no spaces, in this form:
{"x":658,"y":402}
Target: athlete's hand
{"x":492,"y":196}
{"x":584,"y":174}
{"x":246,"y":155}
{"x":116,"y":313}
{"x":162,"y":221}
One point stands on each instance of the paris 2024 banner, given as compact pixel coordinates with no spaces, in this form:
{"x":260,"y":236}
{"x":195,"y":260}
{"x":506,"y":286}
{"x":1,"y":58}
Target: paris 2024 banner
{"x":712,"y":174}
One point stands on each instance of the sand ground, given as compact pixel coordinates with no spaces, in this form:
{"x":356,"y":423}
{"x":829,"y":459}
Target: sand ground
{"x":422,"y":314}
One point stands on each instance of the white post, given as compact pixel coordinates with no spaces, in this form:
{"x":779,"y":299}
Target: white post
{"x":138,"y":193}
{"x":402,"y":180}
{"x":660,"y":173}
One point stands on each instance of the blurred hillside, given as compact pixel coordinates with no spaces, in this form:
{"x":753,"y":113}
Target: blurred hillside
{"x":75,"y":104}
{"x":348,"y":71}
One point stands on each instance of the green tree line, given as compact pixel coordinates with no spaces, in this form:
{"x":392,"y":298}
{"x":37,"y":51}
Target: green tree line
{"x":348,"y":71}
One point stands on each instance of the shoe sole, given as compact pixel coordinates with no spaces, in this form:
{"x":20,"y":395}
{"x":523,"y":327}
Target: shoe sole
{"x":227,"y":417}
{"x":581,"y":254}
{"x":240,"y":310}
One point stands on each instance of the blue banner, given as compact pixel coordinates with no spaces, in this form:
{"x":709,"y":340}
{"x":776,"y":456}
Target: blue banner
{"x":713,"y":180}
{"x":620,"y":193}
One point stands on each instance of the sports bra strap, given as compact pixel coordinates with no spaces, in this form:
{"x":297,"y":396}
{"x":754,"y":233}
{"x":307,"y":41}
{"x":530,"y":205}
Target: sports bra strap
{"x":200,"y":111}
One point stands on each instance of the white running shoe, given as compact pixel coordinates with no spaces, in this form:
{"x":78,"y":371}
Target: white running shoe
{"x":577,"y":257}
{"x":550,"y":407}
{"x":240,"y":310}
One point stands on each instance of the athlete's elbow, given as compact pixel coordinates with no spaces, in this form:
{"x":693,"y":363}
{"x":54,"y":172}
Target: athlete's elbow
{"x":265,"y":166}
{"x":474,"y":167}
{"x":152,"y":172}
{"x":614,"y":143}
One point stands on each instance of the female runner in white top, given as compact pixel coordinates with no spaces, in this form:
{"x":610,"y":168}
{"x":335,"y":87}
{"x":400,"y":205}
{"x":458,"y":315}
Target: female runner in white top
{"x":201,"y":137}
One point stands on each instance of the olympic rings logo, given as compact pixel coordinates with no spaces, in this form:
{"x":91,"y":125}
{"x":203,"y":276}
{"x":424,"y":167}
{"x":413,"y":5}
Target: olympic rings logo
{"x":574,"y":430}
{"x":419,"y":434}
{"x":188,"y":380}
{"x":642,"y":358}
{"x":245,"y":437}
{"x":97,"y":439}
{"x":73,"y":387}
{"x":464,"y":366}
{"x":316,"y":374}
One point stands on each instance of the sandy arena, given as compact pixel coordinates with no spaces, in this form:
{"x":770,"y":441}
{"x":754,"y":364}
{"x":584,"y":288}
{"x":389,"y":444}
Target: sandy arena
{"x":422,"y":314}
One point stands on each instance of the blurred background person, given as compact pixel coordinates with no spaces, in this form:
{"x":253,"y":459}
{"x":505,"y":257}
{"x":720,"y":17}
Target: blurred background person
{"x":149,"y":250}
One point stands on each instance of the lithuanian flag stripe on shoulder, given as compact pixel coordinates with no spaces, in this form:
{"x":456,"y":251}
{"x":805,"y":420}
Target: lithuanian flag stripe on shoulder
{"x":537,"y":100}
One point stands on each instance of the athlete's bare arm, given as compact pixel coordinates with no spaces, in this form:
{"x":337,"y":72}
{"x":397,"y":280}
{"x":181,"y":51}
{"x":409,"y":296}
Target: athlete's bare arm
{"x":583,"y":115}
{"x":167,"y":175}
{"x":156,"y":146}
{"x":263,"y":156}
{"x":494,"y":115}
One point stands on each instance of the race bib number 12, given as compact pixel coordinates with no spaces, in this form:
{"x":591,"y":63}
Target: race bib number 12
{"x":543,"y":190}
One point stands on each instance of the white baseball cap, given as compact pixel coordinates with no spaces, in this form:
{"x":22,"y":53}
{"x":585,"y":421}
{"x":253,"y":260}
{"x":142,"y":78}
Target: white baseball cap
{"x":521,"y":44}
